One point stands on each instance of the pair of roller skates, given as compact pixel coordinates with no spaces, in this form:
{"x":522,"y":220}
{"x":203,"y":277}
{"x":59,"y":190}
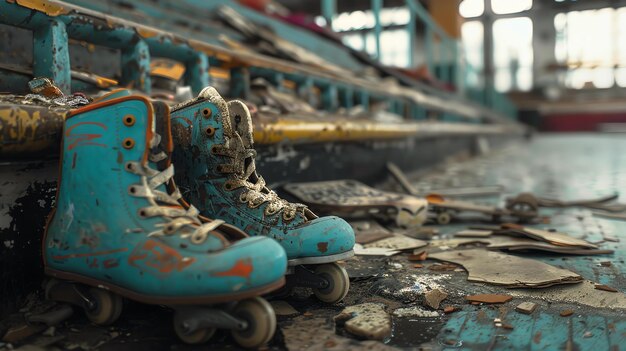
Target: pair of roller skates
{"x":121,"y":227}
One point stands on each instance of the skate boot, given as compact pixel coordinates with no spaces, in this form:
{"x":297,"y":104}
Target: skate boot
{"x":119,"y":230}
{"x":214,"y":158}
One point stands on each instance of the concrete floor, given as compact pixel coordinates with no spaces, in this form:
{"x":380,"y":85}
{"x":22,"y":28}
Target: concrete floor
{"x":561,"y":166}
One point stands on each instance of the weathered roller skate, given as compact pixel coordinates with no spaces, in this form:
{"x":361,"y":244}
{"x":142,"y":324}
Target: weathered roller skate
{"x":119,"y":230}
{"x":214,"y":156}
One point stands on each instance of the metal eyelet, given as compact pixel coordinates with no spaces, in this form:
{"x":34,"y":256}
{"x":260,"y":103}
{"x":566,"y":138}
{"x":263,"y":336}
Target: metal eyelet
{"x":210,"y":131}
{"x":142,"y":213}
{"x":269,"y":212}
{"x":132,"y":189}
{"x":228,"y":186}
{"x":129,"y":166}
{"x":213,"y":149}
{"x":129,"y":120}
{"x":128,"y":143}
{"x":243,"y":198}
{"x":288,"y":216}
{"x":207,"y":112}
{"x":198,"y":238}
{"x":168,"y":229}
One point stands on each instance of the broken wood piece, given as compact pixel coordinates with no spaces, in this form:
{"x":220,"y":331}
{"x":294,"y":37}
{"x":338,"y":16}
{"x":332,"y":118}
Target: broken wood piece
{"x":418,"y":266}
{"x":433,"y":298}
{"x":605,"y":263}
{"x":554,"y":238}
{"x":507,"y":270}
{"x":488,"y":298}
{"x":566,"y":313}
{"x":449,"y":309}
{"x":401,"y":178}
{"x":421,"y":256}
{"x":526,"y":307}
{"x":440,"y":267}
{"x":605,"y":288}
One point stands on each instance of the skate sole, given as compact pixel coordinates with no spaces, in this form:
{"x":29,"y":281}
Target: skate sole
{"x":166,"y":300}
{"x":320,"y":259}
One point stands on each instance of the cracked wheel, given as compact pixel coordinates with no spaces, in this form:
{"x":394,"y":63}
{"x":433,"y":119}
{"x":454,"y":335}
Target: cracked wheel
{"x":261,"y":320}
{"x":338,"y":283}
{"x":107,"y":309}
{"x":196,"y":337}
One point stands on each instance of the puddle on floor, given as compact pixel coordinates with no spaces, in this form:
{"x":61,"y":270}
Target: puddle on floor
{"x":412,"y":331}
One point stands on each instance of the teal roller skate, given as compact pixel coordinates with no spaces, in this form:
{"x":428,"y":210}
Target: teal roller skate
{"x":214,"y":156}
{"x":121,"y":229}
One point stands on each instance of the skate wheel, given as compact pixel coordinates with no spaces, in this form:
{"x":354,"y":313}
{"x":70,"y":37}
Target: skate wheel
{"x":197,"y":337}
{"x":107,"y":309}
{"x":50,"y":284}
{"x":406,"y":219}
{"x":338,"y":283}
{"x":261,"y":320}
{"x":443,"y":218}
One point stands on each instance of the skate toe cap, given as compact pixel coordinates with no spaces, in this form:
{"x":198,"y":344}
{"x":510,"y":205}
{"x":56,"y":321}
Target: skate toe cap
{"x":323,"y":236}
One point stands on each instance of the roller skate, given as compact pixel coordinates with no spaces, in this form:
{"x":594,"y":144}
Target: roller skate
{"x":215,"y":159}
{"x":120,"y":229}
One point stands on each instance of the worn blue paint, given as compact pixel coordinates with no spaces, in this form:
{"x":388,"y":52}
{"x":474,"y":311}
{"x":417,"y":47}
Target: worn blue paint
{"x":330,"y":98}
{"x":240,"y":82}
{"x":347,"y":97}
{"x":81,"y":238}
{"x":136,"y":66}
{"x":197,"y":72}
{"x":51,"y":54}
{"x":207,"y":166}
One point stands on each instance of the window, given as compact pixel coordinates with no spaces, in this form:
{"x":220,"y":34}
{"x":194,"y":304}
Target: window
{"x":357,"y":28}
{"x":472,"y":34}
{"x":513,"y":54}
{"x":595,"y":58}
{"x":502,"y":7}
{"x":472,"y":8}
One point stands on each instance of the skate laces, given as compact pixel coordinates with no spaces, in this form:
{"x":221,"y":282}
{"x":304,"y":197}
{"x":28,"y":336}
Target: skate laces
{"x":242,"y":170}
{"x":166,"y":204}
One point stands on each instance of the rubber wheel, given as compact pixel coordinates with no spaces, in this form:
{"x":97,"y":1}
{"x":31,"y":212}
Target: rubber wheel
{"x":443,"y":218}
{"x":261,"y":320}
{"x":108,"y":307}
{"x":338,"y":283}
{"x":50,"y":284}
{"x":199,"y":336}
{"x":405,"y":219}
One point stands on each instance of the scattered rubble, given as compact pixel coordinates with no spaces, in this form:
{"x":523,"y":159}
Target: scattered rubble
{"x":526,"y":307}
{"x":566,"y":313}
{"x":369,"y":231}
{"x":368,"y":320}
{"x":605,"y":288}
{"x":282,"y":308}
{"x":449,"y":309}
{"x":434,"y":297}
{"x":414,"y":312}
{"x":397,"y":242}
{"x":507,"y":270}
{"x":489,"y":298}
{"x":421,"y":256}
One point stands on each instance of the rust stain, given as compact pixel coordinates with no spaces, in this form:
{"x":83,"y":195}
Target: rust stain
{"x":89,"y":254}
{"x":111,"y":263}
{"x":537,"y":337}
{"x":74,"y":161}
{"x":158,"y":256}
{"x":242,"y":268}
{"x":322,"y":247}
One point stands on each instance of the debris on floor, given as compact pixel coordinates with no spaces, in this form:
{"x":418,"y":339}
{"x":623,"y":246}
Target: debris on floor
{"x":415,"y":312}
{"x":368,"y":231}
{"x":507,"y":270}
{"x":283,"y":308}
{"x":526,"y":307}
{"x":368,"y":320}
{"x":397,"y":242}
{"x":352,"y":199}
{"x":489,"y":298}
{"x":433,"y":298}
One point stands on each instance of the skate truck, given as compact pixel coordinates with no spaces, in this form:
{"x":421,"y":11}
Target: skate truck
{"x":316,"y":113}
